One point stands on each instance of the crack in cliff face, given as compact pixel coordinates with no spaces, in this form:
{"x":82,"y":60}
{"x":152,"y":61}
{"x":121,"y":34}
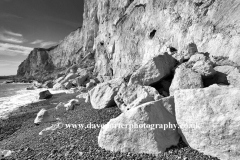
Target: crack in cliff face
{"x":128,"y":13}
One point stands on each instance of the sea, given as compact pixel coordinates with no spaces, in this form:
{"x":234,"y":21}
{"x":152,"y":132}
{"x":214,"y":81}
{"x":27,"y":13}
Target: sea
{"x":15,"y":95}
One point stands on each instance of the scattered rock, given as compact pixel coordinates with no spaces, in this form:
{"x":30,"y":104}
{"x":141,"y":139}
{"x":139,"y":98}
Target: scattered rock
{"x":51,"y":129}
{"x":5,"y":153}
{"x":84,"y":96}
{"x":30,"y":88}
{"x":209,"y":120}
{"x":71,"y":104}
{"x":185,"y":78}
{"x":102,"y":95}
{"x":90,"y":84}
{"x":58,"y":86}
{"x":83,"y":75}
{"x":45,"y":95}
{"x":119,"y":134}
{"x":189,"y":50}
{"x":59,"y":80}
{"x":202,"y":64}
{"x":48,"y":84}
{"x":134,"y":95}
{"x":42,"y":117}
{"x":67,"y":85}
{"x":154,"y":70}
{"x":69,"y":77}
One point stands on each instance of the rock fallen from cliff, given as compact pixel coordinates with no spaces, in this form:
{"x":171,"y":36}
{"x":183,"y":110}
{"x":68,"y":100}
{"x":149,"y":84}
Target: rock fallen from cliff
{"x":58,"y":86}
{"x":154,"y":70}
{"x":185,"y":78}
{"x":134,"y":95}
{"x":102,"y":95}
{"x":5,"y":153}
{"x":209,"y":120}
{"x":127,"y":133}
{"x":51,"y":129}
{"x":220,"y":77}
{"x":42,"y":116}
{"x":45,"y":95}
{"x":48,"y":84}
{"x":67,"y":85}
{"x":201,"y":63}
{"x":69,"y":77}
{"x":71,"y":104}
{"x":234,"y":78}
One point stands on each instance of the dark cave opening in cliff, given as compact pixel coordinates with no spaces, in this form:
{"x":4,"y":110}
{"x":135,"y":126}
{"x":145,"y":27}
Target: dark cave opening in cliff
{"x":152,"y":34}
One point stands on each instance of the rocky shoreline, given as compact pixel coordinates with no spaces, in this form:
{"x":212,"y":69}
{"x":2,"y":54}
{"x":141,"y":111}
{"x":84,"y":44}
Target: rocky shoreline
{"x":20,"y":135}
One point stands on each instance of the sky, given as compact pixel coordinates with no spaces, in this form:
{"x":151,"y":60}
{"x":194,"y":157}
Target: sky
{"x":28,"y":24}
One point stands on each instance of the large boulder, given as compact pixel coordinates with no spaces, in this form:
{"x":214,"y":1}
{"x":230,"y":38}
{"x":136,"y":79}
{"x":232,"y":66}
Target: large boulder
{"x":134,"y":95}
{"x":209,"y":119}
{"x":136,"y":130}
{"x":185,"y":78}
{"x":154,"y":70}
{"x":220,"y":77}
{"x":102,"y":96}
{"x":45,"y":95}
{"x":234,"y":78}
{"x":201,"y":63}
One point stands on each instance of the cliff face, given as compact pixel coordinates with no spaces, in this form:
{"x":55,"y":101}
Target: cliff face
{"x":131,"y":32}
{"x":37,"y":63}
{"x":124,"y":34}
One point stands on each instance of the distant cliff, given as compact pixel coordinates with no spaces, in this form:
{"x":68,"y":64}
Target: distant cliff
{"x":125,"y":34}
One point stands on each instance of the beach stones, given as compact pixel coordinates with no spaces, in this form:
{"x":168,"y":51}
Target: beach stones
{"x":45,"y":95}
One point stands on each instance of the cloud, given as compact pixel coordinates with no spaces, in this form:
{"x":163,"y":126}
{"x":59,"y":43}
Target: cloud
{"x":13,"y":50}
{"x":44,"y":44}
{"x":38,"y":41}
{"x":13,"y":34}
{"x":11,"y":37}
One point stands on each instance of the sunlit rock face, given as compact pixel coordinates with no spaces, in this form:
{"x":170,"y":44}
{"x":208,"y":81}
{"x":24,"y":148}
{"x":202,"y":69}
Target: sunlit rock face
{"x":132,"y":32}
{"x":125,"y":34}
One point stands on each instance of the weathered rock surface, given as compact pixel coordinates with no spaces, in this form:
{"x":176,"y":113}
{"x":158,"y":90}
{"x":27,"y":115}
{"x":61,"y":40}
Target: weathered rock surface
{"x":48,"y":84}
{"x":155,"y":69}
{"x":58,"y":86}
{"x":42,"y":116}
{"x":102,"y":96}
{"x":185,"y":78}
{"x":71,"y":104}
{"x":201,"y":63}
{"x":69,"y":77}
{"x":234,"y":78}
{"x":213,"y":115}
{"x":45,"y":95}
{"x":134,"y":95}
{"x":119,"y":135}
